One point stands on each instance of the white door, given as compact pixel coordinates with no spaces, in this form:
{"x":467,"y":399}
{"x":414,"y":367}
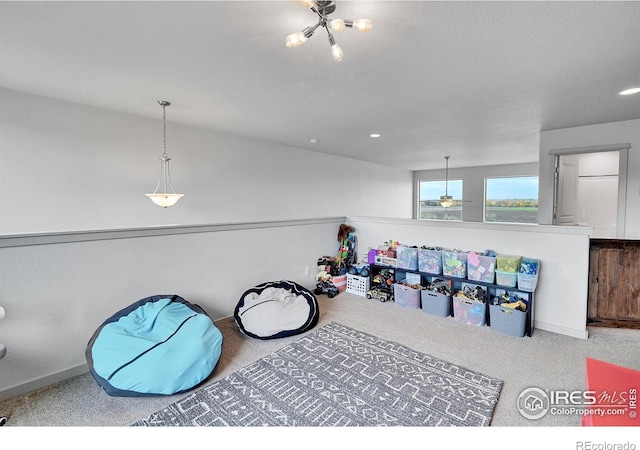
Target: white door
{"x":566,"y":191}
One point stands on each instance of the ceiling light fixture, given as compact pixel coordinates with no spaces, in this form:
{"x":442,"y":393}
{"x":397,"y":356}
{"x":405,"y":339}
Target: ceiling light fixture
{"x":630,"y":91}
{"x":323,"y":9}
{"x":446,"y":200}
{"x":164,"y":198}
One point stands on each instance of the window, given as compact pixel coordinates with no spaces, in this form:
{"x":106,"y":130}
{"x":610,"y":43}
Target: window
{"x":511,"y":199}
{"x":429,"y":207}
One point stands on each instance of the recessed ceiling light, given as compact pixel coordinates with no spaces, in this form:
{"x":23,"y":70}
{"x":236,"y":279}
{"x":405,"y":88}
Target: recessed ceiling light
{"x":314,"y":141}
{"x":630,"y":91}
{"x":374,"y":135}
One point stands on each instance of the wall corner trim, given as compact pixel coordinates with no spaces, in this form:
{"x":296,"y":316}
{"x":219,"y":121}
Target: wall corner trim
{"x":24,"y":240}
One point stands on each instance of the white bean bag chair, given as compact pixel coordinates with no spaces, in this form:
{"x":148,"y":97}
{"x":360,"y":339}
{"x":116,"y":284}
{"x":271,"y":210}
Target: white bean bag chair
{"x":160,"y":345}
{"x":276,"y":309}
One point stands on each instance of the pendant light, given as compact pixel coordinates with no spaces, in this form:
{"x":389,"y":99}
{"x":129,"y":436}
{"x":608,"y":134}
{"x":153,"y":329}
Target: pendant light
{"x":164,"y":195}
{"x":446,"y":200}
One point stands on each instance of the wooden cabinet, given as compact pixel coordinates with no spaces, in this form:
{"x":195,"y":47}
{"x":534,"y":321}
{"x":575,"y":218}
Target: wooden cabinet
{"x":614,"y":283}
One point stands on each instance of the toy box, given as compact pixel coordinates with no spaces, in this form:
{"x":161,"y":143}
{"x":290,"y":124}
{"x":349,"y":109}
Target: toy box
{"x":527,"y":282}
{"x":480,"y":267}
{"x":528,"y":274}
{"x":435,"y":303}
{"x":506,"y":278}
{"x":507,"y":320}
{"x":406,"y":296}
{"x":469,"y":311}
{"x":430,"y":261}
{"x":407,"y":258}
{"x":357,"y":285}
{"x":454,"y":264}
{"x":340,"y":282}
{"x":508,"y":263}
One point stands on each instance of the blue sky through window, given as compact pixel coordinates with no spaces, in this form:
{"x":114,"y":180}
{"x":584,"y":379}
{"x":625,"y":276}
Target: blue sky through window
{"x":432,"y":190}
{"x":512,"y":188}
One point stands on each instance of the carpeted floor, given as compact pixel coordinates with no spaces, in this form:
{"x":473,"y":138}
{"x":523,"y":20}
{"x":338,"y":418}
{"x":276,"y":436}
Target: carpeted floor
{"x":546,"y":360}
{"x":335,"y":376}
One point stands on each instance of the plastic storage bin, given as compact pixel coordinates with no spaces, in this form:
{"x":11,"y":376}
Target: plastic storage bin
{"x":528,"y":274}
{"x":508,"y":263}
{"x":481,"y":268}
{"x":430,"y":261}
{"x":527,"y":282}
{"x":340,"y":282}
{"x":507,"y":320}
{"x":435,"y":303}
{"x":406,"y":296}
{"x":454,"y":264}
{"x":506,"y":278}
{"x":471,"y":312}
{"x":407,"y":258}
{"x":357,"y":285}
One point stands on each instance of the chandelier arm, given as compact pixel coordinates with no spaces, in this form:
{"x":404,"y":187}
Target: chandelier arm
{"x":167,"y":178}
{"x":311,"y":30}
{"x":159,"y":178}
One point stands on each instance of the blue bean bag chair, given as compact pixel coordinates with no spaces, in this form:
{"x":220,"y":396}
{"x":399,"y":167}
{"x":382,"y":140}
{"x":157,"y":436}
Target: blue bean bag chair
{"x":276,"y":309}
{"x":160,"y":345}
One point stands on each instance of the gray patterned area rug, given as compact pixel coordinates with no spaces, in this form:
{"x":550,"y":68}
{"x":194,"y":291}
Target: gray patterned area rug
{"x":338,"y":376}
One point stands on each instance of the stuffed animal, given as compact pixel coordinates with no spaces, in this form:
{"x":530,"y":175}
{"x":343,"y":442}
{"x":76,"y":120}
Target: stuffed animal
{"x":323,"y":275}
{"x":344,"y":231}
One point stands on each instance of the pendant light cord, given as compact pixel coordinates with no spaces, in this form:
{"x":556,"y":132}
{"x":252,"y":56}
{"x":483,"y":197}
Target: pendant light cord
{"x":164,"y":130}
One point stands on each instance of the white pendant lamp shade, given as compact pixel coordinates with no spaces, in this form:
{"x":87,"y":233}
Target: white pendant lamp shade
{"x":164,"y":194}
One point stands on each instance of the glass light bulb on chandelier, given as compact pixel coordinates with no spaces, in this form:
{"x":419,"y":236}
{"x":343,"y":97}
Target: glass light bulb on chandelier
{"x":337,"y":53}
{"x":337,"y":25}
{"x":295,"y":39}
{"x":363,"y":25}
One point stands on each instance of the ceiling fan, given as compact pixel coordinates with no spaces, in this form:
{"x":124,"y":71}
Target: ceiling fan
{"x":447,"y":200}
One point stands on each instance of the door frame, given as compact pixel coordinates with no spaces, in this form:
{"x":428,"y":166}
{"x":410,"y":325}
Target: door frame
{"x":623,"y":150}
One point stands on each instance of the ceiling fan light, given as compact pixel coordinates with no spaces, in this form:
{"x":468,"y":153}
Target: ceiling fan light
{"x":446,"y":201}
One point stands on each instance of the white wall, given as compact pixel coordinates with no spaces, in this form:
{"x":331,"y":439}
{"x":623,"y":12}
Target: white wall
{"x":57,"y":294}
{"x":472,"y":184}
{"x":67,"y":167}
{"x":590,"y":136}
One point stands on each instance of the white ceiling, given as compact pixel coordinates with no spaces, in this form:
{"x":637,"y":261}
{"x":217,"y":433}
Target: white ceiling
{"x":473,"y":80}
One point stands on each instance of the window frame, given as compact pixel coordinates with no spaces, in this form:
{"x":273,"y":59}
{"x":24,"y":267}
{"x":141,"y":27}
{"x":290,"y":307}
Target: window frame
{"x":447,"y":188}
{"x":485,"y":199}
